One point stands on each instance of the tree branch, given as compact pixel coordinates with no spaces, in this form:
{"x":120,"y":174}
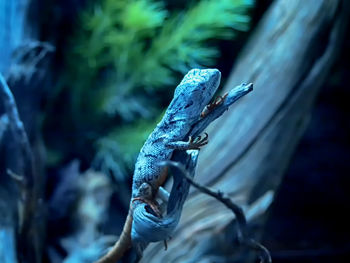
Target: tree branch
{"x":16,"y":125}
{"x":24,"y":176}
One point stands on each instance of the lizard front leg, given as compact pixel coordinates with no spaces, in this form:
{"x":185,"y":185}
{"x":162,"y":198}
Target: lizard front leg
{"x":211,"y":106}
{"x":191,"y":144}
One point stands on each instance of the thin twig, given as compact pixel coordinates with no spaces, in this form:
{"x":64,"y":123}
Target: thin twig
{"x":264,"y":252}
{"x":236,"y":209}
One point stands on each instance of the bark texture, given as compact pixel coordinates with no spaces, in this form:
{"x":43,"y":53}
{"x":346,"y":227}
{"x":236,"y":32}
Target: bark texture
{"x":24,"y":66}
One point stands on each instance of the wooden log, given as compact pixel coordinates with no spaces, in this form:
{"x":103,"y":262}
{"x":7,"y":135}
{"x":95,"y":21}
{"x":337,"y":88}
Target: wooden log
{"x":287,"y":58}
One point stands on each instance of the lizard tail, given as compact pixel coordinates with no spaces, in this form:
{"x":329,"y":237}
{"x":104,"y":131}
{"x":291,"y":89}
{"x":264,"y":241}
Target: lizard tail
{"x":122,"y":245}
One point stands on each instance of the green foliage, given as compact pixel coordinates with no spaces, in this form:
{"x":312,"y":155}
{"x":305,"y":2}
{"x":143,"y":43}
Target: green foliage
{"x":121,"y":144}
{"x":127,"y":53}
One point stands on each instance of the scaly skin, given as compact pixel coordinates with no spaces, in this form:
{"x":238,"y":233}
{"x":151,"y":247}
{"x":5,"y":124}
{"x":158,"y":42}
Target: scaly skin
{"x":190,"y":97}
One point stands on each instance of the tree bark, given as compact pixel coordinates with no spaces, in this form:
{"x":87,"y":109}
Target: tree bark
{"x":287,"y":58}
{"x":23,"y":64}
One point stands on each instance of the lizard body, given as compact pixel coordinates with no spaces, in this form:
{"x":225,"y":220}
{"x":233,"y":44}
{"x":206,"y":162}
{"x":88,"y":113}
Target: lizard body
{"x":190,"y":98}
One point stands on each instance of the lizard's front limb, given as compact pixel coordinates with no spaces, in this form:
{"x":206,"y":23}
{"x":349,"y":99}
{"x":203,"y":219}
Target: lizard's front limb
{"x":211,"y":106}
{"x":191,"y":144}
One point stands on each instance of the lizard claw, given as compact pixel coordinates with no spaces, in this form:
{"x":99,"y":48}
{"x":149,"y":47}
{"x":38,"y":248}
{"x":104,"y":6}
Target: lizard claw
{"x":207,"y":109}
{"x":152,"y":204}
{"x":198,"y":142}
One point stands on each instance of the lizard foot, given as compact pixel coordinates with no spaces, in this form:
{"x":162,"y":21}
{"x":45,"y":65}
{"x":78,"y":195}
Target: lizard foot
{"x":196,"y":143}
{"x":191,"y":144}
{"x":207,"y":109}
{"x":152,"y":204}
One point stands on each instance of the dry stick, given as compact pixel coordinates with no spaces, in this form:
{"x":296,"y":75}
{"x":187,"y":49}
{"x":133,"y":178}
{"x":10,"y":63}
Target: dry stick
{"x":237,"y":210}
{"x":121,"y":246}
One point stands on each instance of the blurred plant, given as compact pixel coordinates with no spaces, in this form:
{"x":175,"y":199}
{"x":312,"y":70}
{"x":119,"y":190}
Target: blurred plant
{"x":128,"y":53}
{"x":123,"y":142}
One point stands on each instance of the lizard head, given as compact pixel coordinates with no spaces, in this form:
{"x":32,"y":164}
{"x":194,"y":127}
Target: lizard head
{"x":194,"y":92}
